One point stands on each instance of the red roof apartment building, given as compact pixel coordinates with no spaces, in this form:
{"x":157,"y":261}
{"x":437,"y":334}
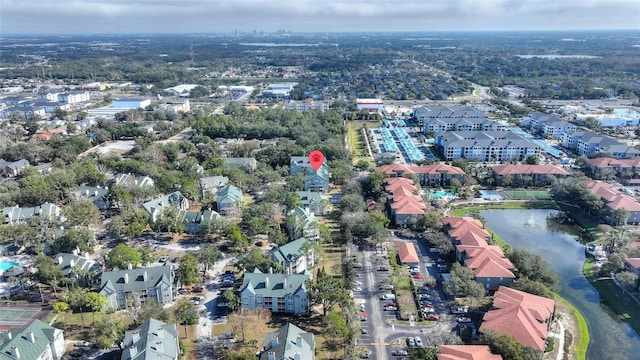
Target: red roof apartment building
{"x":614,"y":200}
{"x":602,"y":168}
{"x":435,"y":175}
{"x":521,"y":175}
{"x":521,"y":315}
{"x":489,"y":264}
{"x":466,"y":352}
{"x":405,"y":204}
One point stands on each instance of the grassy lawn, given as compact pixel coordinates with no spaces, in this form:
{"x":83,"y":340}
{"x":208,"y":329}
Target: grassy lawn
{"x":456,"y":212}
{"x":333,"y":259}
{"x":621,"y":304}
{"x":355,"y":139}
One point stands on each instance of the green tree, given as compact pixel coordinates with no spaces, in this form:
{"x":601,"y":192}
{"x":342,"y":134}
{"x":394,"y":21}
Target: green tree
{"x":255,"y":259}
{"x":326,"y":291}
{"x":236,"y":236}
{"x":208,"y":255}
{"x":462,"y":283}
{"x":507,"y":346}
{"x":48,"y":272}
{"x":122,"y":256}
{"x":627,"y":280}
{"x":535,"y":268}
{"x":95,"y":302}
{"x":185,"y":313}
{"x":352,"y":203}
{"x":60,"y":308}
{"x":152,"y":309}
{"x":188,"y":270}
{"x":79,"y":212}
{"x":336,"y":326}
{"x":76,"y":238}
{"x":75,"y":298}
{"x":169,"y":221}
{"x":107,"y":331}
{"x":232,"y":298}
{"x":532,"y":160}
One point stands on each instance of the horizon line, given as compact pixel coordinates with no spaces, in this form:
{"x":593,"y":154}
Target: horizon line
{"x":289,"y":32}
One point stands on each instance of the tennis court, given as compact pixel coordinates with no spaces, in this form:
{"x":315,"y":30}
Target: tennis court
{"x":14,"y":316}
{"x":526,"y":195}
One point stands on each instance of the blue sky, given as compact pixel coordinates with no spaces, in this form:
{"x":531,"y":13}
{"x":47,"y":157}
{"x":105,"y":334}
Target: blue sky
{"x":186,"y":16}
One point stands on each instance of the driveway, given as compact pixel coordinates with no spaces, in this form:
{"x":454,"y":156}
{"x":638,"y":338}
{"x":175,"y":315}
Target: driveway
{"x":210,"y":301}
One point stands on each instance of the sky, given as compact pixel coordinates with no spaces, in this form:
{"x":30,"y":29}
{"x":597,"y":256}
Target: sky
{"x":214,"y":16}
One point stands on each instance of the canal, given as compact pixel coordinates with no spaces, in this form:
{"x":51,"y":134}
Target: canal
{"x":527,"y":229}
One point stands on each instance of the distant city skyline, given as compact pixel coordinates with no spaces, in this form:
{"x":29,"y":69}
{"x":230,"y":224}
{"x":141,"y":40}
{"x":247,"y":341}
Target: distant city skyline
{"x":210,"y":16}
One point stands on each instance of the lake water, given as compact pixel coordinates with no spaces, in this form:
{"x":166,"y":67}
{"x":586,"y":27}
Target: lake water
{"x":527,"y":229}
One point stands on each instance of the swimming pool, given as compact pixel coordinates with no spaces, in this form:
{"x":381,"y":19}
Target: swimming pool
{"x":6,"y":265}
{"x":440,"y":194}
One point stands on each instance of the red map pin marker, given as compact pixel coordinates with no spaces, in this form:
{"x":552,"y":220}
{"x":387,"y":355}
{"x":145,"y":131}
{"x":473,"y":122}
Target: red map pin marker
{"x":316,"y":158}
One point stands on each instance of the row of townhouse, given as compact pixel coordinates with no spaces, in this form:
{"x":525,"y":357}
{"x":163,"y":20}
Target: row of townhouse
{"x":14,"y":168}
{"x":614,"y":200}
{"x":489,"y":264}
{"x":435,"y":175}
{"x":486,"y":145}
{"x":405,"y":206}
{"x":305,"y":223}
{"x":586,"y":143}
{"x":547,"y":125}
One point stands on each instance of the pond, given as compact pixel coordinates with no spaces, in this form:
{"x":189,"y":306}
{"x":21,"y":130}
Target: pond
{"x":527,"y":229}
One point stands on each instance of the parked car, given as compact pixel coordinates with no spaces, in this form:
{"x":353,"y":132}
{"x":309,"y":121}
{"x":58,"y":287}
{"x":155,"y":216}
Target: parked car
{"x":399,"y":352}
{"x":418,"y":276}
{"x":411,"y":342}
{"x":361,"y":307}
{"x":383,"y":268}
{"x":391,"y":303}
{"x":424,"y":297}
{"x":464,"y":319}
{"x":423,"y":290}
{"x":390,"y":308}
{"x":459,"y":309}
{"x":357,"y":288}
{"x":418,"y":341}
{"x":431,"y":317}
{"x":197,"y":289}
{"x":195,"y":300}
{"x":364,"y":331}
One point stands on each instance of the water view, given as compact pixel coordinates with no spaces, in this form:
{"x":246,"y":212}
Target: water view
{"x":528,"y":229}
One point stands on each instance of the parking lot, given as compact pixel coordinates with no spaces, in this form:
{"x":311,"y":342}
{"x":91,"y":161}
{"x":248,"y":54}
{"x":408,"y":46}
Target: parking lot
{"x":383,"y":334}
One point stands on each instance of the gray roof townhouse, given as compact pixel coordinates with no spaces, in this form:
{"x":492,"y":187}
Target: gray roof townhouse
{"x":36,"y":341}
{"x":229,"y":201}
{"x":156,"y":206}
{"x":288,"y":342}
{"x":154,"y":339}
{"x":278,"y":293}
{"x":295,"y":256}
{"x":158,"y":283}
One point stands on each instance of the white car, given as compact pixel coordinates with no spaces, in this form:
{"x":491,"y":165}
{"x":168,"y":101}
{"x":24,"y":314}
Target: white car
{"x":361,"y":307}
{"x":357,"y":288}
{"x":418,"y":341}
